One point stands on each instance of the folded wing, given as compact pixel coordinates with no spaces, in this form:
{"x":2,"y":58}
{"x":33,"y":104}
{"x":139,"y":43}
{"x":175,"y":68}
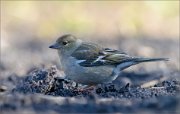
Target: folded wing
{"x":89,"y":55}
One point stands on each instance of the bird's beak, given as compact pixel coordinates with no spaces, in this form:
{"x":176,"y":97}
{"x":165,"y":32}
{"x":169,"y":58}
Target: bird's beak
{"x":55,"y":46}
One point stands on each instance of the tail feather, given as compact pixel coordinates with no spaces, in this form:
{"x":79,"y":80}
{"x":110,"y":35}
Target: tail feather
{"x":139,"y":60}
{"x":136,"y":60}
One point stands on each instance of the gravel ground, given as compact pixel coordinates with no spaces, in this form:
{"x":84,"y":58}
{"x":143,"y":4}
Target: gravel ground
{"x":148,"y":88}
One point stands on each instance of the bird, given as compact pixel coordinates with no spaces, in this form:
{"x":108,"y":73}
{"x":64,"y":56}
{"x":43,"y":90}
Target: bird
{"x":91,"y":64}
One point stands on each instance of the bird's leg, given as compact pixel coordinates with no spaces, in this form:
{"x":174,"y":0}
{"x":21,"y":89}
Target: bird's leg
{"x":87,"y":88}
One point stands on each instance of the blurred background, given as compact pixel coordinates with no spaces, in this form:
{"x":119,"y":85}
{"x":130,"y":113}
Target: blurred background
{"x":140,"y":28}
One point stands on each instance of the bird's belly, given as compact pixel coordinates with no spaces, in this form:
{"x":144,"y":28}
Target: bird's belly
{"x":89,"y":75}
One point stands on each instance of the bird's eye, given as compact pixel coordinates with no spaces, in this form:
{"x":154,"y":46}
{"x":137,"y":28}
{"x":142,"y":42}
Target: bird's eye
{"x":64,"y":43}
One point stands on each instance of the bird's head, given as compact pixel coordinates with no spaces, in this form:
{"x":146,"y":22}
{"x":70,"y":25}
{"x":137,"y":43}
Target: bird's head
{"x":66,"y":43}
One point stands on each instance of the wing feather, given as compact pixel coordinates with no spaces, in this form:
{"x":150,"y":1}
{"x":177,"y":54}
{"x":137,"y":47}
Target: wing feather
{"x":89,"y":55}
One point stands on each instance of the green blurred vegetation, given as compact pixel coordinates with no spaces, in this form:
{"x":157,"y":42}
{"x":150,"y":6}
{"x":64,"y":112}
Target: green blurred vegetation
{"x":46,"y":19}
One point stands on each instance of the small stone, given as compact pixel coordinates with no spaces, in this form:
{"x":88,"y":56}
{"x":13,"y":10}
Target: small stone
{"x":3,"y":88}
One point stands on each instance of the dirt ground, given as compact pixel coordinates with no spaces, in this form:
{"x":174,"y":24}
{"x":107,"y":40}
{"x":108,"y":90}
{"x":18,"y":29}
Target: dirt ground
{"x":143,"y":89}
